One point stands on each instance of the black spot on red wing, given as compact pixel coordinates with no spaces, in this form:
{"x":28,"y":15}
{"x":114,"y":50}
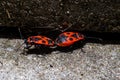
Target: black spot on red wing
{"x":43,"y":41}
{"x":75,"y":36}
{"x":42,"y":37}
{"x":31,"y":39}
{"x":71,"y":39}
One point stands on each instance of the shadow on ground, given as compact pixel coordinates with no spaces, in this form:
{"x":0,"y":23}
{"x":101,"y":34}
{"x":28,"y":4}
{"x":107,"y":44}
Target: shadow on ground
{"x":46,"y":50}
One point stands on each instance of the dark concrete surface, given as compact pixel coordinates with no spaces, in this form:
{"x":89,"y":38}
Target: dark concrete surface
{"x":90,"y":15}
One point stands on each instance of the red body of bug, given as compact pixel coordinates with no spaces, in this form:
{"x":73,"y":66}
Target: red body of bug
{"x":68,"y":38}
{"x":39,"y":40}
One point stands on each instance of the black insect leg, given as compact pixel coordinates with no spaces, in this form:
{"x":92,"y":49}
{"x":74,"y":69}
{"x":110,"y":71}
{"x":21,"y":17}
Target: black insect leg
{"x":37,"y":46}
{"x":27,"y":46}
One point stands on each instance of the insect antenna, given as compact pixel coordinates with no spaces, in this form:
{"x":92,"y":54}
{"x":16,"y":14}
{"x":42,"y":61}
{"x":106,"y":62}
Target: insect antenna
{"x":21,"y":38}
{"x":20,"y":33}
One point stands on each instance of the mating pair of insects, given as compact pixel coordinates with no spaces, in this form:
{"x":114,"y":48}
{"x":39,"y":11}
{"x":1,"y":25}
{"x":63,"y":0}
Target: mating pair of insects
{"x":65,"y":39}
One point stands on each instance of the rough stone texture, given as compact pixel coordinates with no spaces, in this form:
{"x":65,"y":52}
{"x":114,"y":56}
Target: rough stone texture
{"x":91,"y":15}
{"x":98,"y":62}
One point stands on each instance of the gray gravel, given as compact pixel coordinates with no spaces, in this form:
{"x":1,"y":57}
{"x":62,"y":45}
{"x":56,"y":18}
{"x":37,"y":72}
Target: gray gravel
{"x":98,"y":62}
